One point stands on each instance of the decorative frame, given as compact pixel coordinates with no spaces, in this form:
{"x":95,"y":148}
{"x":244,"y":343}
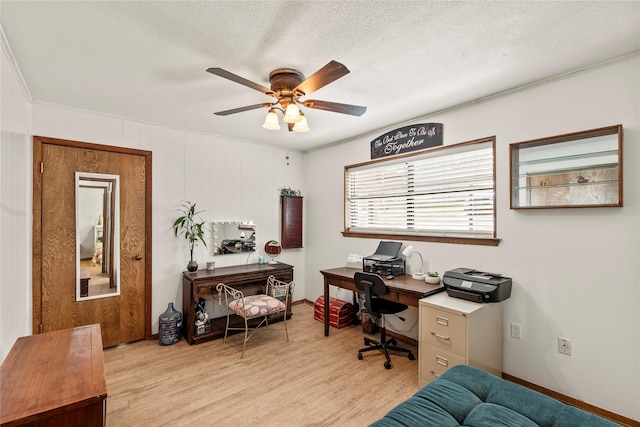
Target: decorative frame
{"x":575,"y":170}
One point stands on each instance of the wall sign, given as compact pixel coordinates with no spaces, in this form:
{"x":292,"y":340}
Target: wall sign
{"x":407,"y":139}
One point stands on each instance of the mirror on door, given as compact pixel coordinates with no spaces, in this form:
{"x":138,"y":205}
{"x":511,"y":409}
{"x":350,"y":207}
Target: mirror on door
{"x":97,"y":235}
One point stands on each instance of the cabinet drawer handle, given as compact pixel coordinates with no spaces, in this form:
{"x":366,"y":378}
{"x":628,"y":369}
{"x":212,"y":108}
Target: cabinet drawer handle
{"x":442,"y":337}
{"x":435,"y":374}
{"x":442,"y":361}
{"x":442,"y":321}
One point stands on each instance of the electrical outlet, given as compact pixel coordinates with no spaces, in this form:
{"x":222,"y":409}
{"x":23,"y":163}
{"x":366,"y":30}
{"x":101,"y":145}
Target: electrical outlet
{"x":515,"y":330}
{"x":564,"y":346}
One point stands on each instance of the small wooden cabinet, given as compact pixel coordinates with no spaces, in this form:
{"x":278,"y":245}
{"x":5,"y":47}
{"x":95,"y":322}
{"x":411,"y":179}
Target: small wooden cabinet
{"x":454,"y":331}
{"x":291,"y":222}
{"x":251,"y":279}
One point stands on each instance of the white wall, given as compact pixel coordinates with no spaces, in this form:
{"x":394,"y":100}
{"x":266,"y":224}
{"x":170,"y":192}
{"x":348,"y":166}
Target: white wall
{"x":576,"y":271}
{"x":15,"y":208}
{"x":89,"y":209}
{"x":228,"y":179}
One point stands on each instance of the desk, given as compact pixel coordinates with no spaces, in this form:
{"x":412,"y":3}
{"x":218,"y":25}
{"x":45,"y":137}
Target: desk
{"x":251,"y":279}
{"x":55,"y":379}
{"x":403,"y":289}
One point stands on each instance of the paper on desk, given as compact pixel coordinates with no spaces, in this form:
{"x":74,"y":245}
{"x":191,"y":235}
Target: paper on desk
{"x":354,"y":260}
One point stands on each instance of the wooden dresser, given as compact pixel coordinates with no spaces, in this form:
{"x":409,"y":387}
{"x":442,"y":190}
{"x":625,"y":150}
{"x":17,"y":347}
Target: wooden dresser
{"x":55,"y":379}
{"x":251,"y":279}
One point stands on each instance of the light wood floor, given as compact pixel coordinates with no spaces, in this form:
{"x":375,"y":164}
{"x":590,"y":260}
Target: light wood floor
{"x":312,"y":380}
{"x":99,"y":283}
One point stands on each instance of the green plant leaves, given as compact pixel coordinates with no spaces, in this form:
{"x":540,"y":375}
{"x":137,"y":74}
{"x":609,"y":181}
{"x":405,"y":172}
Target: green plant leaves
{"x":190,"y":225}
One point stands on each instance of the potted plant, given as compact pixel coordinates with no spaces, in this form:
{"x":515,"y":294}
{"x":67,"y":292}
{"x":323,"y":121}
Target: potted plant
{"x":191,"y":226}
{"x":432,"y":277}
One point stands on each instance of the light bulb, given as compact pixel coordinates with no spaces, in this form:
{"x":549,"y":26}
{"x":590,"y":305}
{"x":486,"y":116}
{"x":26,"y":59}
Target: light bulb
{"x":292,"y":113}
{"x":271,"y":121}
{"x":302,"y":125}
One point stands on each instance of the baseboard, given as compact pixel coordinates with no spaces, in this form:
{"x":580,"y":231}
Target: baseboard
{"x":574,"y":402}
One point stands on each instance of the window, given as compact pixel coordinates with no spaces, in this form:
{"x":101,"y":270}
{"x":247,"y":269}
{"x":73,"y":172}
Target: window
{"x":444,"y":194}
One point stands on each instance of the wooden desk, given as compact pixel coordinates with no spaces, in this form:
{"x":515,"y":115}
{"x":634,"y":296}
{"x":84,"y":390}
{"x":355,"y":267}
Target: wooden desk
{"x":403,"y":289}
{"x":249,"y":278}
{"x":55,"y":379}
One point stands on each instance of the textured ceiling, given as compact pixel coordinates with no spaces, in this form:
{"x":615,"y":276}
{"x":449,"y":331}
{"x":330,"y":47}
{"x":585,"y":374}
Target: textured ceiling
{"x":147,"y":60}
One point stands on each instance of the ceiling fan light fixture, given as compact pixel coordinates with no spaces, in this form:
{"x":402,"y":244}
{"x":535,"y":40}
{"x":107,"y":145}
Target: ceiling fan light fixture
{"x":271,"y":121}
{"x":292,"y":113}
{"x":302,"y":125}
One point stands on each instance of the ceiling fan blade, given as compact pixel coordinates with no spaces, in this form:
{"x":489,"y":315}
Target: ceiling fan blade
{"x":235,"y":78}
{"x":241,"y":109}
{"x":354,"y":110}
{"x":325,"y":75}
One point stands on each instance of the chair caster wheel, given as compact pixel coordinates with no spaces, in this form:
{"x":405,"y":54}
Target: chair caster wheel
{"x":387,"y":365}
{"x":411,"y":356}
{"x":359,"y":356}
{"x":393,"y":342}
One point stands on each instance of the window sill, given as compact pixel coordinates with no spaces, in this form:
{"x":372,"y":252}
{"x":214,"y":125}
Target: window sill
{"x":439,"y":239}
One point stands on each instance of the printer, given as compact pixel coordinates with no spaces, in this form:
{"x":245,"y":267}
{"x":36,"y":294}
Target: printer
{"x":385,"y":260}
{"x":477,"y":286}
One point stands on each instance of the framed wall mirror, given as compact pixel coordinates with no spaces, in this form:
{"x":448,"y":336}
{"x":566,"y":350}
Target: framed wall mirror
{"x":581,"y":169}
{"x":97,"y":235}
{"x":232,"y":237}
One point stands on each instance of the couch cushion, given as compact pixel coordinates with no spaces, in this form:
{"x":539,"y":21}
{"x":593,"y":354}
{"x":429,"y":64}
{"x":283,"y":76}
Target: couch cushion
{"x":416,"y":411}
{"x":466,"y":396}
{"x":491,"y":415}
{"x":536,"y":406}
{"x":570,"y":417}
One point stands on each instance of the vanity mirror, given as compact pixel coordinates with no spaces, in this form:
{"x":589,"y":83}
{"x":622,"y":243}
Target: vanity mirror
{"x":232,"y":237}
{"x":97,"y":235}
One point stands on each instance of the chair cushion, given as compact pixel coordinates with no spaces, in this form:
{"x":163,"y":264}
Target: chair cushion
{"x":383,"y":306}
{"x":257,"y":305}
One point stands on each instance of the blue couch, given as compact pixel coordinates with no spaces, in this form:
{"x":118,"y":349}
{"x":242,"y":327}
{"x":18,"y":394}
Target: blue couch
{"x":465,"y":396}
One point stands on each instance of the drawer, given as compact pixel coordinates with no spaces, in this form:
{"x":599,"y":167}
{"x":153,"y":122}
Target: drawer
{"x":444,"y":330}
{"x":434,"y":361}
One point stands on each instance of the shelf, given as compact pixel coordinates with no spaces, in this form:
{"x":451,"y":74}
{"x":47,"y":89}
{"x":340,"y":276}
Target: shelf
{"x":570,"y":184}
{"x":582,"y":169}
{"x":597,"y":154}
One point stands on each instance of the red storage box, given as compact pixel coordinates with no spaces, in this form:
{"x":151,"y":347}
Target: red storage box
{"x":340,"y":312}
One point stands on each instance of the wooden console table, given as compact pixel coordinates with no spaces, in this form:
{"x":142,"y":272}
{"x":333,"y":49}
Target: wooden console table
{"x":55,"y":379}
{"x":251,"y":279}
{"x":403,"y":289}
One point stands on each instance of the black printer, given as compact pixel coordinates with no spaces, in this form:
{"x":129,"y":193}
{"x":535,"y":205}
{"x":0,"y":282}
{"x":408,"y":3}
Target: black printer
{"x":477,"y":286}
{"x":385,"y":261}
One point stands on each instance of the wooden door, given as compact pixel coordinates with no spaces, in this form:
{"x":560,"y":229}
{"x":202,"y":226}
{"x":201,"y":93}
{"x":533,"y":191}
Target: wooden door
{"x":123,"y":318}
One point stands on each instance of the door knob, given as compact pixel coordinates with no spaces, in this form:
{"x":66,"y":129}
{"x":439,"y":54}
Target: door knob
{"x":138,"y":257}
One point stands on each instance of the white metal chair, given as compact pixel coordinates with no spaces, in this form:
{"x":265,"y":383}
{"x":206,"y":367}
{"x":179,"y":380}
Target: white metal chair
{"x":275,"y":300}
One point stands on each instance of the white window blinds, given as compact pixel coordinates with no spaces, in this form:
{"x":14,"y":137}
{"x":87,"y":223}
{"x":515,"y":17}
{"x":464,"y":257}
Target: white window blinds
{"x":446,"y":192}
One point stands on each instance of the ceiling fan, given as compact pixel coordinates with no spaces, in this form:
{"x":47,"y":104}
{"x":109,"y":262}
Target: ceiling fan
{"x":287,"y":87}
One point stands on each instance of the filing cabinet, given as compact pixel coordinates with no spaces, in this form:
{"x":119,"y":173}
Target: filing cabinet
{"x":454,"y":331}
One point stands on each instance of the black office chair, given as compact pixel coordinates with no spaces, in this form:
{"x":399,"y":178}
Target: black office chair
{"x":372,"y":285}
